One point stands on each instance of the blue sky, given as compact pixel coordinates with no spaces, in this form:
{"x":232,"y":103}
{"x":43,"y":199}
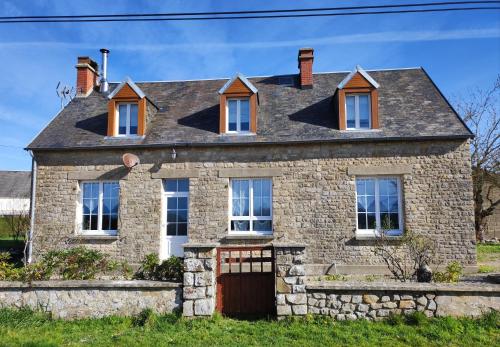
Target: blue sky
{"x":459,"y":50}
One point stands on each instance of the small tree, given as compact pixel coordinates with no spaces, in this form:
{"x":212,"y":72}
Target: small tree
{"x":405,"y":256}
{"x":481,"y":111}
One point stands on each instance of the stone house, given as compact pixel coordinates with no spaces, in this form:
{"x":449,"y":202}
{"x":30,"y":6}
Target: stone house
{"x":318,"y":160}
{"x":15,"y":191}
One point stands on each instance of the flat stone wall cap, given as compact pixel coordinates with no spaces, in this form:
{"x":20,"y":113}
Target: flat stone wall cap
{"x":201,"y":245}
{"x":90,"y":284}
{"x":473,"y":288}
{"x":288,"y":245}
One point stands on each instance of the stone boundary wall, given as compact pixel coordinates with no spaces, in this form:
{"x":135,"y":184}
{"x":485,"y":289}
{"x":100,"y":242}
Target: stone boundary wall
{"x":92,"y":299}
{"x":350,"y":301}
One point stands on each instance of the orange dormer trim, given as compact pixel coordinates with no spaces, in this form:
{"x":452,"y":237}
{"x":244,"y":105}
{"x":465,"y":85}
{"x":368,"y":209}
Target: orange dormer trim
{"x":238,"y":88}
{"x":126,"y":94}
{"x":357,"y":84}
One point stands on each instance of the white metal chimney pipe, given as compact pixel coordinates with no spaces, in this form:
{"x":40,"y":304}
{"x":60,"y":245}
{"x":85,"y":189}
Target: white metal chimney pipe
{"x":104,"y":86}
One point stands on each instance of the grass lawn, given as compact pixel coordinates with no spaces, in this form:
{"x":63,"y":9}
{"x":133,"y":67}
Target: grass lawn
{"x":488,"y":258}
{"x":25,"y":328}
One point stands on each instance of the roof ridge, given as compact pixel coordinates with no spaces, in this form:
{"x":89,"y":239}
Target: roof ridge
{"x":278,"y":75}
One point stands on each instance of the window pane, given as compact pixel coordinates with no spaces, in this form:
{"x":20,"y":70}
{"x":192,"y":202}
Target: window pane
{"x":87,"y":206}
{"x":171,"y":217}
{"x":114,"y":222}
{"x":240,"y":225}
{"x":350,"y":103}
{"x":171,"y":229}
{"x":266,"y":206}
{"x":236,"y":189}
{"x":122,"y":122}
{"x":360,"y":187}
{"x":86,"y":222}
{"x":394,"y":221}
{"x":183,"y":185}
{"x":232,"y":110}
{"x":171,"y":203}
{"x":244,"y":115}
{"x":262,"y":225}
{"x":372,"y":223}
{"x":384,"y":203}
{"x":182,"y":229}
{"x":182,"y":216}
{"x":370,"y":200}
{"x":257,"y":206}
{"x":361,"y":221}
{"x":133,"y":119}
{"x":385,"y":221}
{"x":106,"y":206}
{"x":257,"y":188}
{"x":244,"y":205}
{"x":364,"y":111}
{"x":266,"y":187}
{"x":236,"y":207}
{"x":392,"y":187}
{"x":170,"y":186}
{"x":361,"y":204}
{"x":182,"y":203}
{"x":393,"y":204}
{"x":93,"y":223}
{"x":370,"y":187}
{"x":383,"y":187}
{"x":244,"y":189}
{"x":105,"y":222}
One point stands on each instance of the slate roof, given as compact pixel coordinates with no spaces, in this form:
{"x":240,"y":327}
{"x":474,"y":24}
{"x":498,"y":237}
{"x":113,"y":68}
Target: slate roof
{"x":410,"y":107}
{"x":15,"y":184}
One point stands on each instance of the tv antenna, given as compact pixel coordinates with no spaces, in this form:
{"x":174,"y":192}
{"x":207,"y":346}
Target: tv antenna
{"x":64,"y":93}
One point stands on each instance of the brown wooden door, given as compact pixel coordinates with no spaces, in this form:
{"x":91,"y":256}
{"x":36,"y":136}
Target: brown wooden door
{"x":245,"y":281}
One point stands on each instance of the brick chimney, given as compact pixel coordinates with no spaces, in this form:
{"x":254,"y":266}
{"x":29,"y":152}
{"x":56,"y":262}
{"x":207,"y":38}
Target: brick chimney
{"x":306,"y":58}
{"x":86,"y":76}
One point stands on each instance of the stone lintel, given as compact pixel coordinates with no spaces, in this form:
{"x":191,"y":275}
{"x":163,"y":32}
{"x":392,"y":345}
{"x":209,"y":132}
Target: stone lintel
{"x":176,"y":173}
{"x":379,"y":170}
{"x":250,"y":172}
{"x":119,"y":173}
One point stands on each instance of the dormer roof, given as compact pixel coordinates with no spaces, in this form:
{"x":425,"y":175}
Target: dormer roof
{"x":127,"y":81}
{"x":243,"y":79}
{"x":358,"y":69}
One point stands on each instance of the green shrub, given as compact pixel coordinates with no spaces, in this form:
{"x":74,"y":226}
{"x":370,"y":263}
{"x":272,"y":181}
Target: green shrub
{"x":8,"y":271}
{"x":146,"y":318}
{"x":78,"y":263}
{"x":451,"y":275}
{"x":170,"y":269}
{"x":484,"y":269}
{"x":416,"y":318}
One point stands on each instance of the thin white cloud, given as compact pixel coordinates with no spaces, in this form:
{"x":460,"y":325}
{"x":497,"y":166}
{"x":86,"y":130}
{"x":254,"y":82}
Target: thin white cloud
{"x":379,"y":37}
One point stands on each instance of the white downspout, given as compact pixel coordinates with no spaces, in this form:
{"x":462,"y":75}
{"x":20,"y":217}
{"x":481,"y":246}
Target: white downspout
{"x":29,"y":243}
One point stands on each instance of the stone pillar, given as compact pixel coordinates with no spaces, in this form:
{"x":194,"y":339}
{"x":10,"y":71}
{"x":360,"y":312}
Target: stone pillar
{"x":291,"y":298}
{"x":199,"y":280}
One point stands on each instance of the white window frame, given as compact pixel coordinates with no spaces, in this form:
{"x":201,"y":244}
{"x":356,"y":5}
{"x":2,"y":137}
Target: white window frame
{"x":127,"y":126}
{"x":238,"y":116}
{"x":356,"y":111}
{"x":373,"y":233}
{"x":99,"y":230}
{"x":250,"y":217}
{"x":174,"y":195}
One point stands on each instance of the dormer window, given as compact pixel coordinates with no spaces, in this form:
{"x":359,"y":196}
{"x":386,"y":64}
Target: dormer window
{"x":356,"y":101}
{"x":128,"y":109}
{"x":357,"y":109}
{"x":238,"y":119}
{"x":128,"y":119}
{"x":238,"y":107}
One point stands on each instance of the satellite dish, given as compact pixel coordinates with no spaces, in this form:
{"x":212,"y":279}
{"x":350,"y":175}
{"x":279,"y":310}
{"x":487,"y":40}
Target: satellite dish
{"x":130,"y":160}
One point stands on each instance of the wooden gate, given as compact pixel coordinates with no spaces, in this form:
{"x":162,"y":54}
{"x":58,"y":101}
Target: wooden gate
{"x":245,"y":281}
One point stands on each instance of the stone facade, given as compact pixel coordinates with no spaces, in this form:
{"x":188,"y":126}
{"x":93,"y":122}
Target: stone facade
{"x":199,"y":281}
{"x":378,"y":301}
{"x":313,"y":197}
{"x":291,"y":298}
{"x":92,"y":299}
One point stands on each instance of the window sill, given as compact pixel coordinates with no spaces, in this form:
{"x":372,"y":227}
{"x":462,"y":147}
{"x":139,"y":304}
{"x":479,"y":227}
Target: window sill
{"x":250,"y":237}
{"x":238,"y":134}
{"x":95,"y":237}
{"x":375,"y":236}
{"x":125,"y":137}
{"x":360,"y":130}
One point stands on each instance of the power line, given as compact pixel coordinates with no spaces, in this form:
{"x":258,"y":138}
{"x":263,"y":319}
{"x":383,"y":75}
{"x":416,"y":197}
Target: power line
{"x":259,"y":14}
{"x":321,"y":9}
